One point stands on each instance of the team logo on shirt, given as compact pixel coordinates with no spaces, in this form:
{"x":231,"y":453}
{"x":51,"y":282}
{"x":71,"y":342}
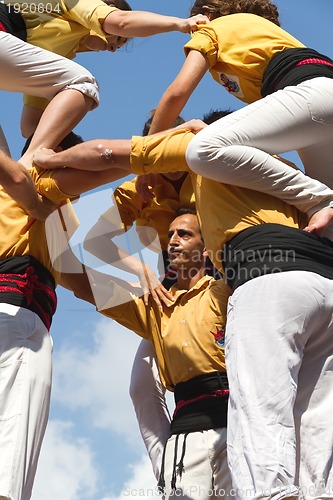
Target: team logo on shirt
{"x":219,"y":336}
{"x":230,"y":85}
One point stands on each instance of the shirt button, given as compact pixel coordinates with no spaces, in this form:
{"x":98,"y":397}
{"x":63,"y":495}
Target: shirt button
{"x":183,"y":320}
{"x":190,"y":368}
{"x":185,"y":344}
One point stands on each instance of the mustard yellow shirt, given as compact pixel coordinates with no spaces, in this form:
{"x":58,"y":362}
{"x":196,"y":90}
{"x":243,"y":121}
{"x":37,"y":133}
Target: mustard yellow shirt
{"x":239,"y":48}
{"x":20,"y":234}
{"x":59,"y":26}
{"x":188,"y":336}
{"x":153,"y":216}
{"x":223,"y":210}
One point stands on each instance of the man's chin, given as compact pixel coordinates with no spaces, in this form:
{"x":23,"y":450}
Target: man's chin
{"x":178,"y":262}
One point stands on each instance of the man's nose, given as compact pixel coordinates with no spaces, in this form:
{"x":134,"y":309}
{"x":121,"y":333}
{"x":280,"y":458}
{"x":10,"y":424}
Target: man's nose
{"x":173,"y":239}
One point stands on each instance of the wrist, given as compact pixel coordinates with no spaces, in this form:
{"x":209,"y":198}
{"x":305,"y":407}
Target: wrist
{"x":32,"y":204}
{"x":183,"y":26}
{"x":328,"y":203}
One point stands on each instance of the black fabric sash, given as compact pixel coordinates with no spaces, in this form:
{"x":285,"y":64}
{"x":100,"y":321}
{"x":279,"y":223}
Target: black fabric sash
{"x":12,"y":22}
{"x":24,"y":282}
{"x":283,"y":71}
{"x":273,"y":248}
{"x":201,"y":403}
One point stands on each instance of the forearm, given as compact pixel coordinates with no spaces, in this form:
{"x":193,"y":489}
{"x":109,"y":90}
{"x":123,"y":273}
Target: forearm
{"x":178,"y":93}
{"x":141,"y":24}
{"x":95,"y":155}
{"x":167,"y":111}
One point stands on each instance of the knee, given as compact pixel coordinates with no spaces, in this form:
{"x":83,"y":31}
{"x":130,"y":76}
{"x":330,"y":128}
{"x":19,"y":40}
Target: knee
{"x":198,"y":152}
{"x":88,"y":86}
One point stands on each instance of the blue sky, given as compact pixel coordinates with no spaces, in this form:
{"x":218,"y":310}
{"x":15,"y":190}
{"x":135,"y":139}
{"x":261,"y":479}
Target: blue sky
{"x":92,"y":449}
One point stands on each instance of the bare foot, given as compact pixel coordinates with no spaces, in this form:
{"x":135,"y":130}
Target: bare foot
{"x":320,"y":221}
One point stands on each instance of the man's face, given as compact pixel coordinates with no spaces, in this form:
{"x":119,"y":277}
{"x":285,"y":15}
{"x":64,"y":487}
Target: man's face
{"x":185,"y":247}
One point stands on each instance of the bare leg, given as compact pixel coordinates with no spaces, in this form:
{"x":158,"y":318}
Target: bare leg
{"x":63,"y":113}
{"x":29,"y":120}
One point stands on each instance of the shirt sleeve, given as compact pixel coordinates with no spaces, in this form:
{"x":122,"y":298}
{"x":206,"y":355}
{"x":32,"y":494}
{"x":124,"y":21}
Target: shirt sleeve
{"x":89,"y":13}
{"x":128,"y":202}
{"x":47,"y":186}
{"x":204,"y":41}
{"x":160,"y":153}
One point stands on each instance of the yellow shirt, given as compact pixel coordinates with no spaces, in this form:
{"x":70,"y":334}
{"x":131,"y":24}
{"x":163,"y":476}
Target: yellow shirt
{"x":188,"y":336}
{"x":223,"y":210}
{"x":23,"y":235}
{"x":153,"y":216}
{"x":239,"y":48}
{"x":59,"y":26}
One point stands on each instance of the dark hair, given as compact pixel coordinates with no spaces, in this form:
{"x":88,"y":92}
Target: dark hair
{"x":179,"y":120}
{"x":188,"y":211}
{"x":262,"y":8}
{"x":185,"y":211}
{"x":119,"y":4}
{"x":70,"y":140}
{"x":215,"y":114}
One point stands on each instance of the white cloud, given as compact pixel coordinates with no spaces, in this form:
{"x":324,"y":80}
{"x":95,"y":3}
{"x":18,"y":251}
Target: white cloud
{"x":66,"y":467}
{"x":141,"y":484}
{"x":96,"y":377}
{"x":68,"y":470}
{"x":92,"y":367}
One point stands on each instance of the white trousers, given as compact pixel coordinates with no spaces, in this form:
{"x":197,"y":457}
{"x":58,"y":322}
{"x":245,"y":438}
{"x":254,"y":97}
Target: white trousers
{"x":279,"y":356}
{"x":148,"y":398}
{"x":25,"y":382}
{"x":35,"y":71}
{"x":238,"y":148}
{"x":205,"y":474}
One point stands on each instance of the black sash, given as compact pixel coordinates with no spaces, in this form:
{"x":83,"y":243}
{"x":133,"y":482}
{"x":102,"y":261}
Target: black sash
{"x":274,"y":248}
{"x":283,"y":70}
{"x":12,"y":22}
{"x":201,"y":403}
{"x":24,"y":282}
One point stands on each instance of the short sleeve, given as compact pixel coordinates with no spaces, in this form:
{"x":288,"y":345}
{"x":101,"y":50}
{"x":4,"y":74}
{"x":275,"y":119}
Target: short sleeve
{"x":204,"y":41}
{"x":89,"y":13}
